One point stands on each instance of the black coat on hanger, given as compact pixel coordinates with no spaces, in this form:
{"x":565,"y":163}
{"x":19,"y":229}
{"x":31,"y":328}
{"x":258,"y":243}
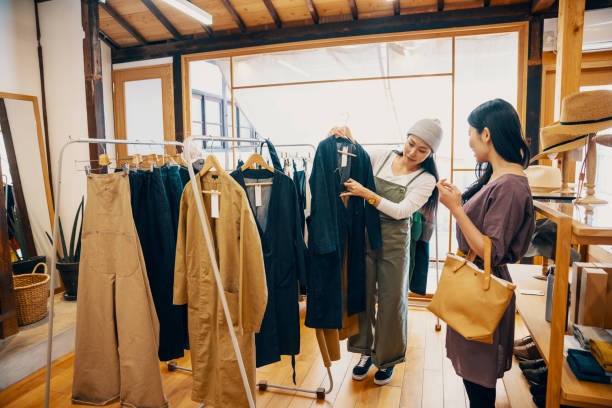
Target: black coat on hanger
{"x":284,"y":258}
{"x":332,"y":226}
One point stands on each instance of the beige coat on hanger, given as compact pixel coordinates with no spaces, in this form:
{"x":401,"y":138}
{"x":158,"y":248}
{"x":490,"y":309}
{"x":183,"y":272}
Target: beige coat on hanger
{"x":216,"y":376}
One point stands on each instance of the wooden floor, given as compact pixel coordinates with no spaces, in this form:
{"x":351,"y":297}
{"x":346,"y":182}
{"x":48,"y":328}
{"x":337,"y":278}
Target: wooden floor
{"x":426,"y":379}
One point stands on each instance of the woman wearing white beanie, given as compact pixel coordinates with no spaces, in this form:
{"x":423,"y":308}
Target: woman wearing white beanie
{"x":405,"y":182}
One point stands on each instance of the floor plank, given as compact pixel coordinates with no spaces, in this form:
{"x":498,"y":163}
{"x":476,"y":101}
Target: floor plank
{"x":425,"y":379}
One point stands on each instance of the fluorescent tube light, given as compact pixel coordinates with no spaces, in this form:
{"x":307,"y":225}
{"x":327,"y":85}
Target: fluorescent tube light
{"x":191,"y":10}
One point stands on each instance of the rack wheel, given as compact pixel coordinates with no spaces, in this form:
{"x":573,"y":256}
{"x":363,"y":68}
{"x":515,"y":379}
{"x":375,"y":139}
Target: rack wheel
{"x":438,"y":327}
{"x":172,"y":365}
{"x":321,"y":393}
{"x":262,"y":385}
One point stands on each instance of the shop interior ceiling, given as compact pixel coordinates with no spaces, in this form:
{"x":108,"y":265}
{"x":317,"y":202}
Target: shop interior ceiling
{"x":141,"y":29}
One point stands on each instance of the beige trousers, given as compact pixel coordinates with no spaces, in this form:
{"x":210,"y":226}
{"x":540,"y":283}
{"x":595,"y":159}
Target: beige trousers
{"x":117,"y":331}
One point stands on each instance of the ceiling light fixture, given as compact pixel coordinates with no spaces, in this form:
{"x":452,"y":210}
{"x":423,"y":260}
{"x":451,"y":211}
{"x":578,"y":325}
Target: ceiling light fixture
{"x":191,"y":10}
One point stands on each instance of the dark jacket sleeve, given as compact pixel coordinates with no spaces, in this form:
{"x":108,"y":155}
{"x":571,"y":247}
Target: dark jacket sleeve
{"x":372,"y":218}
{"x":321,"y":228}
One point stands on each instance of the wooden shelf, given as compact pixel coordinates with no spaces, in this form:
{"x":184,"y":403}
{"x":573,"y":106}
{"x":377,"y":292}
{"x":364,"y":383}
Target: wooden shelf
{"x":591,"y":224}
{"x":532,"y":310}
{"x":517,"y":387}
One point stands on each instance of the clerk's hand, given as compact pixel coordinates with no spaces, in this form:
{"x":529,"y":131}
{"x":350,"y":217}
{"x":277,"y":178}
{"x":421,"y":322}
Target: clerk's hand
{"x":354,"y":188}
{"x":450,"y":195}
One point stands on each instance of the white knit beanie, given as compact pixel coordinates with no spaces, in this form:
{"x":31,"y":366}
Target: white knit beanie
{"x":429,"y":130}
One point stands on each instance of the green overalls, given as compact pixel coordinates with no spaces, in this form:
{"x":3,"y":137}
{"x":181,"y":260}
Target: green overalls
{"x":387,"y":278}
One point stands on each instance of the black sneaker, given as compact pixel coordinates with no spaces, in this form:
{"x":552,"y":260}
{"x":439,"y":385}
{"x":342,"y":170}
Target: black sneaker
{"x":536,"y":375}
{"x":360,"y":371}
{"x":531,"y":364}
{"x":383,"y":376}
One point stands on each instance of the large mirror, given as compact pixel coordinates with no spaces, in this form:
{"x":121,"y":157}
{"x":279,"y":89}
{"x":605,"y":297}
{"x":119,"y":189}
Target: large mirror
{"x":25,"y":180}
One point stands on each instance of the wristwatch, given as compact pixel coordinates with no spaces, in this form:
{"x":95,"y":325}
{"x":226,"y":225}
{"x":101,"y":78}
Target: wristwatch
{"x":372,"y":200}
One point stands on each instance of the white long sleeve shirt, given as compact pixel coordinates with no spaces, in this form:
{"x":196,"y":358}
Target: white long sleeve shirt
{"x":417,"y":194}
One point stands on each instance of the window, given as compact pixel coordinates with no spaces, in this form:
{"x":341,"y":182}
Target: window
{"x":378,"y":90}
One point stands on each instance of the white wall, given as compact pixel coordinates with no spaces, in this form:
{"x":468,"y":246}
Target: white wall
{"x":62,"y":42}
{"x":19,"y":58}
{"x":19,"y":73}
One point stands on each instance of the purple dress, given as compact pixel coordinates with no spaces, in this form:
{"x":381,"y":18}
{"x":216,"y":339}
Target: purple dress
{"x":502,"y":210}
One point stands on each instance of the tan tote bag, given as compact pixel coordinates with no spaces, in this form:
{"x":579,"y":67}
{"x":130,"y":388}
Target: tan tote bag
{"x":470,"y":300}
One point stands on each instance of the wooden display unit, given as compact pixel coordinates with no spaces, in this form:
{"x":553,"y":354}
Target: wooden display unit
{"x":576,"y":225}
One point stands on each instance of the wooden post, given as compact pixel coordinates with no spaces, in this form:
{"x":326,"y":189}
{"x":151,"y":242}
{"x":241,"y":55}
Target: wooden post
{"x":534,"y":85}
{"x":569,"y":61}
{"x":8,"y":317}
{"x":591,"y":173}
{"x":92,"y":55}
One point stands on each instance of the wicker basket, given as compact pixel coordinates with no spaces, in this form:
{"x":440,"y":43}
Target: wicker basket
{"x":31,"y":294}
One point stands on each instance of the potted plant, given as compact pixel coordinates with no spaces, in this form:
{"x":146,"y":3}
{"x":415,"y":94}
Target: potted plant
{"x":25,"y":262}
{"x":68,"y":261}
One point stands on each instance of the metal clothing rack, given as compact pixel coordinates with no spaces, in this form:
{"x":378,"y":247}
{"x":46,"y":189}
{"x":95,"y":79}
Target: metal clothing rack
{"x":56,"y":200}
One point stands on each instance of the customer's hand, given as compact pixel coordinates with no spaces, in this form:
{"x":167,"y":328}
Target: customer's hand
{"x":450,"y":195}
{"x":354,"y":188}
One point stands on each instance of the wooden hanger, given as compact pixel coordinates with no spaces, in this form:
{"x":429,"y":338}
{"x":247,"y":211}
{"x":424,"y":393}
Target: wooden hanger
{"x":211,"y":162}
{"x":254,"y":159}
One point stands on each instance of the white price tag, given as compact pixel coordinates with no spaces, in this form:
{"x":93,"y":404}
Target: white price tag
{"x":214,"y":205}
{"x":257,"y":196}
{"x":534,"y":292}
{"x":344,"y":156}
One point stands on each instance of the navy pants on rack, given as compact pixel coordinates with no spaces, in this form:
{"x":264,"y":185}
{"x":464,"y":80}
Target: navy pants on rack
{"x":156,"y":228}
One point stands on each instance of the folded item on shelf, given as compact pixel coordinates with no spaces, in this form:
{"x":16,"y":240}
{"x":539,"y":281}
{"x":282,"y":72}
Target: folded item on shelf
{"x":590,"y":332}
{"x":602,"y":352}
{"x":586,"y":368}
{"x":586,"y":333}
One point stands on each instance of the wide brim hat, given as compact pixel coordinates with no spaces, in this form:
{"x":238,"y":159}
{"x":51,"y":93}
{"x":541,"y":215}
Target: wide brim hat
{"x":582,"y":113}
{"x":543,"y":178}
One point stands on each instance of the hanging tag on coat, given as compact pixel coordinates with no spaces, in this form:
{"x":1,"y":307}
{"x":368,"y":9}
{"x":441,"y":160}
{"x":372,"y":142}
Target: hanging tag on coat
{"x":344,"y":156}
{"x":257,"y":196}
{"x":214,"y":205}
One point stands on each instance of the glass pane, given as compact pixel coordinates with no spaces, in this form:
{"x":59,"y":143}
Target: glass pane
{"x":486,"y":67}
{"x":212,"y":111}
{"x":213,"y":130}
{"x":196,"y":128}
{"x":378,"y":110}
{"x":208,"y":76}
{"x":344,"y":62}
{"x":415,"y":57}
{"x":144,"y":119}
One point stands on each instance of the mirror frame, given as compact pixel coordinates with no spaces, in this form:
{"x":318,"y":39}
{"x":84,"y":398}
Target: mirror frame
{"x":41,"y":146}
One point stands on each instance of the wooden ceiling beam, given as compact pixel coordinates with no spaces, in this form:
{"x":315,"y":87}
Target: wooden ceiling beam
{"x":162,"y":19}
{"x":379,"y":25}
{"x":117,"y":17}
{"x":313,"y":11}
{"x":354,"y":11}
{"x":440,"y":5}
{"x":538,"y":6}
{"x":109,"y":41}
{"x":273,"y":13}
{"x":234,"y":15}
{"x":396,"y":7}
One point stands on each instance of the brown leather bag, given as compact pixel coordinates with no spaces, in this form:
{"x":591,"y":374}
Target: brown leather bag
{"x":470,"y":300}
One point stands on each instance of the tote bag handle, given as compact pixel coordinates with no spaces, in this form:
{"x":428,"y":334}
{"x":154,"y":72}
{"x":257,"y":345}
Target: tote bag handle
{"x":486,"y":283}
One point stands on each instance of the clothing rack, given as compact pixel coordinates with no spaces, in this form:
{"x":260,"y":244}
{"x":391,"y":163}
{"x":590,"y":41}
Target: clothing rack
{"x":56,"y":200}
{"x":57,"y":197}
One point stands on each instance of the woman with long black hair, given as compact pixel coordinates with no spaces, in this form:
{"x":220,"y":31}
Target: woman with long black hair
{"x":498,"y":205}
{"x":405,"y":182}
